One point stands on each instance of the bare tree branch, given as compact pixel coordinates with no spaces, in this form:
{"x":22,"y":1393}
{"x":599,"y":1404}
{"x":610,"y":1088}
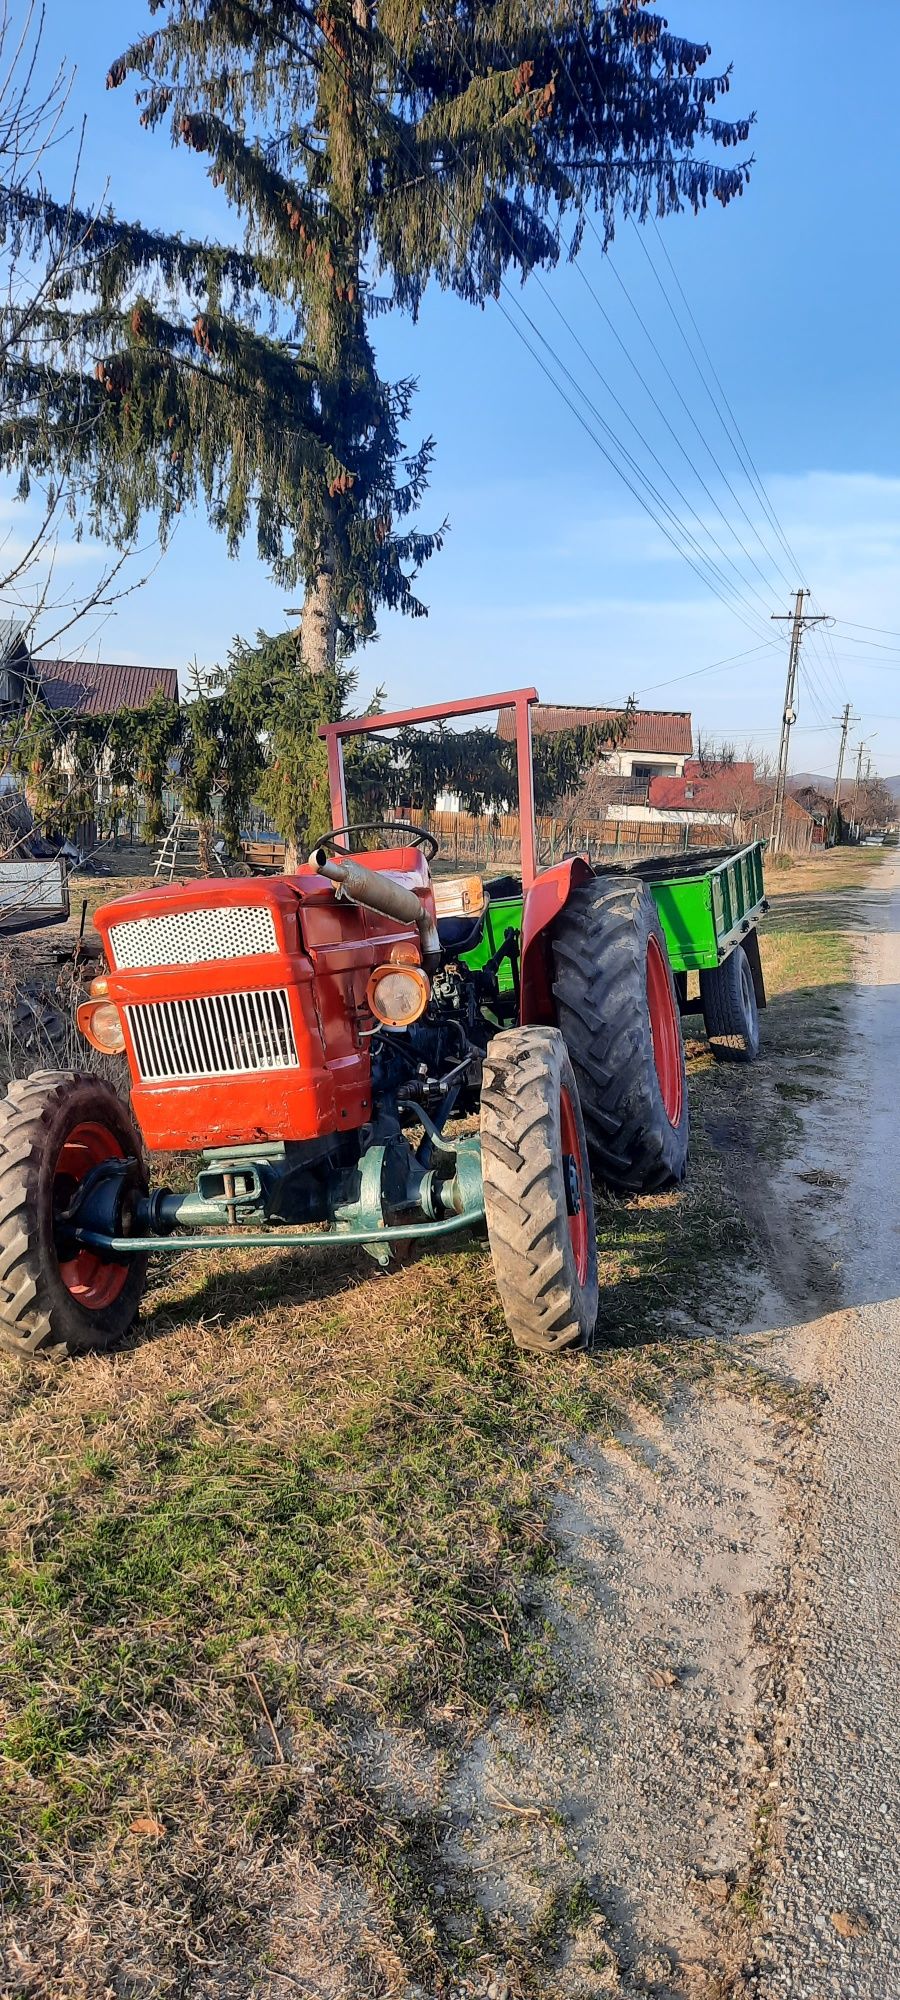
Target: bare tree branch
{"x":41,"y":247}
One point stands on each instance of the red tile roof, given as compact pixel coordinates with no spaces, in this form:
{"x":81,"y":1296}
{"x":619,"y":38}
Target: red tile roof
{"x":667,"y":731}
{"x":96,"y":687}
{"x":729,"y":789}
{"x":716,"y":790}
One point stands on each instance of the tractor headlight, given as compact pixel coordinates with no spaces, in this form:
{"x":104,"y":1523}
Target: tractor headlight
{"x":99,"y":1022}
{"x":398,"y":994}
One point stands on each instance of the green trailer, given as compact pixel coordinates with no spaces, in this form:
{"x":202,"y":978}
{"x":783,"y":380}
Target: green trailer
{"x":709,"y":905}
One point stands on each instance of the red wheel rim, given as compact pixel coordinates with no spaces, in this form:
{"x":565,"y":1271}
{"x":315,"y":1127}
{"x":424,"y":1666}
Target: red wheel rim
{"x":573,"y":1178}
{"x":665,"y":1033}
{"x":90,"y":1280}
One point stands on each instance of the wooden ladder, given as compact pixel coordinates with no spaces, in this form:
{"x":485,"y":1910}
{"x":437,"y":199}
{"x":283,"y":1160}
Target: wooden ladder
{"x":167,"y":858}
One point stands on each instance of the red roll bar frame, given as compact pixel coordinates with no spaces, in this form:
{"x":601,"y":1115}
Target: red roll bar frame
{"x":520,"y":699}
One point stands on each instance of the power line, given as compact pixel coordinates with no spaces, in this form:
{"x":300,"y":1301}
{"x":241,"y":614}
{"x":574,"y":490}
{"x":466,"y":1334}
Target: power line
{"x":695,"y":672}
{"x":591,"y":225}
{"x":639,"y":497}
{"x":649,"y":488}
{"x":582,"y":274}
{"x":735,"y":435}
{"x":690,"y":414}
{"x":830,"y":670}
{"x":639,"y":472}
{"x":886,"y":630}
{"x":871,"y":645}
{"x":813,"y":694}
{"x":678,"y":525}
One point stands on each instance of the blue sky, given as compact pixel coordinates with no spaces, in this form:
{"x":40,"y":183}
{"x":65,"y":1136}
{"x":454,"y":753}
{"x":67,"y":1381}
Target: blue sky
{"x":552,"y":573}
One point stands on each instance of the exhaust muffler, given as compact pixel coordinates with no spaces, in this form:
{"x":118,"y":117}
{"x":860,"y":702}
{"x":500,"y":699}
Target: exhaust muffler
{"x":381,"y":893}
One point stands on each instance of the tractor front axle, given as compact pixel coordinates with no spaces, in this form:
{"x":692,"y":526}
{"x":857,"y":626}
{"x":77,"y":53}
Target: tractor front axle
{"x":389,"y":1194}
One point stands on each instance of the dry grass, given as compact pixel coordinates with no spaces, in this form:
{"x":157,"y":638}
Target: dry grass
{"x":269,"y":1567}
{"x":825,"y":871}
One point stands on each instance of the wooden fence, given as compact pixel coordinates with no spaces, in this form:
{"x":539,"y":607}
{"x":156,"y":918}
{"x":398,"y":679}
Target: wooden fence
{"x":486,"y":844}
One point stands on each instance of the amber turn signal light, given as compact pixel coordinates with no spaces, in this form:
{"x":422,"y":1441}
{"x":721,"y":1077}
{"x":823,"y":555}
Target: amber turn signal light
{"x":100,"y":1025}
{"x":398,"y":994}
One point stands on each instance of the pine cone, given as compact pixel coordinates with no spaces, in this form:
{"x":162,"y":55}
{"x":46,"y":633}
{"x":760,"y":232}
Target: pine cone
{"x":524,"y":75}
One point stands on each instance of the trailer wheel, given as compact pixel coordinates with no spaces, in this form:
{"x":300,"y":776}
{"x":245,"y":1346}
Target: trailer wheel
{"x":728,"y":999}
{"x":619,"y":1015}
{"x":55,"y":1126}
{"x":538,"y":1198}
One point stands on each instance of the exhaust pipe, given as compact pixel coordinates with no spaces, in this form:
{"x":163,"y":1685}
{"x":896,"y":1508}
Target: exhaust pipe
{"x":375,"y":891}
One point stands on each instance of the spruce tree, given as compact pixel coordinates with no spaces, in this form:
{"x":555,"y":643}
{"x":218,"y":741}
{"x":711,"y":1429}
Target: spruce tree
{"x":363,"y":149}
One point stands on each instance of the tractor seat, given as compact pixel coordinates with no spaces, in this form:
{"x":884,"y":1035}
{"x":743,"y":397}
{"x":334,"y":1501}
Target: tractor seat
{"x":458,"y":934}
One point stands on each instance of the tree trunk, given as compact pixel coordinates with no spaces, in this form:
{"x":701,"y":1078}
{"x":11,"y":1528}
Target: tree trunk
{"x":318,"y":623}
{"x":205,"y":846}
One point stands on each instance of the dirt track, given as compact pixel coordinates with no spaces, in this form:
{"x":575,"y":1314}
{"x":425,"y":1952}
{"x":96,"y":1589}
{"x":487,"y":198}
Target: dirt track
{"x":727,"y":1756}
{"x":833,"y":1907}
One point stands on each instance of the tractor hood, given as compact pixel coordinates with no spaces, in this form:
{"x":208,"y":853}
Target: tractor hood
{"x":243,"y":1003}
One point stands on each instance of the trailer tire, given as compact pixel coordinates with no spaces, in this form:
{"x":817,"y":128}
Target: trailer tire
{"x":619,"y":1015}
{"x":730,"y":1011}
{"x":538,"y":1199}
{"x":54,"y":1126}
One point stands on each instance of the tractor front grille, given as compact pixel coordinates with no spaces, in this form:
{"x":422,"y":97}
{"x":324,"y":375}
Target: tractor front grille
{"x":188,"y":937}
{"x":222,"y":1034}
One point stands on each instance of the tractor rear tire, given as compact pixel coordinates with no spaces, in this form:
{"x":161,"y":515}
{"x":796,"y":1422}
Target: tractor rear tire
{"x":619,"y":1015}
{"x":728,"y":999}
{"x":55,"y":1126}
{"x":538,"y":1198}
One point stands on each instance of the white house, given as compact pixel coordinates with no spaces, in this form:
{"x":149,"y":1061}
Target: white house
{"x":657,"y":745}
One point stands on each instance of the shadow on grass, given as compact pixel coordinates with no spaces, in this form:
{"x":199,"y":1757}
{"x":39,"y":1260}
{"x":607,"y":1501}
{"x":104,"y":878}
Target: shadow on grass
{"x":227,"y":1287}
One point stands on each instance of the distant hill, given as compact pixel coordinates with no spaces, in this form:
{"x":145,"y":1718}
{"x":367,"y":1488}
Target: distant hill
{"x":798,"y":779}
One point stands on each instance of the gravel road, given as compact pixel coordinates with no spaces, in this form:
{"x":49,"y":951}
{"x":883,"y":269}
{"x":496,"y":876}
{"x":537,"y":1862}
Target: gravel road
{"x":832,"y":1921}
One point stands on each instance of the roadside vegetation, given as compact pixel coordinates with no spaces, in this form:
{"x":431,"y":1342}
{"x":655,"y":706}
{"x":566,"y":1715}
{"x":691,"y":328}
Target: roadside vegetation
{"x":270,"y":1567}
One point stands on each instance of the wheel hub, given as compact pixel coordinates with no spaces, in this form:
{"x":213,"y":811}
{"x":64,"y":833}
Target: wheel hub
{"x":665,"y":1033}
{"x":572,"y":1185}
{"x":90,"y":1154}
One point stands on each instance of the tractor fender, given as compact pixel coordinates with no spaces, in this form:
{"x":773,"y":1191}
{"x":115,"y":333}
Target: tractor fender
{"x":548,"y":895}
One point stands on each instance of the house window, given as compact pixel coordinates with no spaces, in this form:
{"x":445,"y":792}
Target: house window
{"x":690,"y":791}
{"x":647,"y":771}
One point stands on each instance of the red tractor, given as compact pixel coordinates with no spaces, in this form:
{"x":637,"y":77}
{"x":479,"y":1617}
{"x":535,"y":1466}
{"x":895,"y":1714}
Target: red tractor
{"x":313,"y":1038}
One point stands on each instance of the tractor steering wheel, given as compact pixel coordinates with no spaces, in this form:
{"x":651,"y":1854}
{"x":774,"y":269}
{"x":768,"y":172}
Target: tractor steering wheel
{"x":414,"y":836}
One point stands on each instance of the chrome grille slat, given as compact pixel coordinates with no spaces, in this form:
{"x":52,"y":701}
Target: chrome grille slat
{"x":190,"y":937}
{"x":217,"y":1034}
{"x":209,"y":1033}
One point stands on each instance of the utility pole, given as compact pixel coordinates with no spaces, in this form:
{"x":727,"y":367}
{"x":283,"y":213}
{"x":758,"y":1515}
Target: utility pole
{"x":798,"y":620}
{"x":845,"y":721}
{"x":853,"y":810}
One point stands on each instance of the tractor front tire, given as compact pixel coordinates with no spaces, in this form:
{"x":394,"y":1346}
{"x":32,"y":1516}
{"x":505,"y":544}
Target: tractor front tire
{"x":730,"y":1012}
{"x":538,"y":1199}
{"x":54,"y":1127}
{"x":619,"y":1016}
